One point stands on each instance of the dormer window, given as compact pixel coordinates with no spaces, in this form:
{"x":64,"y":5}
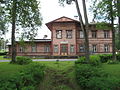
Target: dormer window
{"x":59,"y":34}
{"x":69,"y":34}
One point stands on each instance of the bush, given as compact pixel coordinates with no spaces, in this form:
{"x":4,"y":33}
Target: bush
{"x":23,"y":60}
{"x":81,"y":60}
{"x":27,"y":79}
{"x":105,"y":57}
{"x":95,"y":60}
{"x":118,"y":56}
{"x":3,"y":53}
{"x":112,"y":62}
{"x":32,"y":74}
{"x":94,"y":78}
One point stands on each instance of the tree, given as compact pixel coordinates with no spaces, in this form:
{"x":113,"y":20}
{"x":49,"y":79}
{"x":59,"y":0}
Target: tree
{"x":83,"y":26}
{"x":105,"y":11}
{"x":24,"y":14}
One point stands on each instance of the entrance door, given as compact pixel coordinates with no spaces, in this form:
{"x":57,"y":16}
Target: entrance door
{"x":64,"y":49}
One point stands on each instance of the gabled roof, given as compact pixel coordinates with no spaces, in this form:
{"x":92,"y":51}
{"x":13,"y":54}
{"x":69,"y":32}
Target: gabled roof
{"x":61,"y":19}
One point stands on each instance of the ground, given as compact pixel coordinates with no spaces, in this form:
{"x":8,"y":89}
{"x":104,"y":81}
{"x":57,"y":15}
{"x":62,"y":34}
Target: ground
{"x":58,"y":75}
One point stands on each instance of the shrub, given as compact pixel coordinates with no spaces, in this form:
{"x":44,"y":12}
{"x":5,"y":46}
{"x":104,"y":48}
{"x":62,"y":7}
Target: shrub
{"x":105,"y":57}
{"x":27,"y":79}
{"x":94,"y":78}
{"x":23,"y":60}
{"x":118,"y":56}
{"x":112,"y":62}
{"x":3,"y":53}
{"x":81,"y":60}
{"x":95,"y":60}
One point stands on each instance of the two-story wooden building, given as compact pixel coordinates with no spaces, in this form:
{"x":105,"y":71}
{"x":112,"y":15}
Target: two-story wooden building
{"x":67,"y":39}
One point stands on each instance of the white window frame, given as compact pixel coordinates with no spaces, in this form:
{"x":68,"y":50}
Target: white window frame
{"x":58,"y":34}
{"x":81,"y":34}
{"x":47,"y":48}
{"x":81,"y":48}
{"x":106,"y":34}
{"x":94,"y":48}
{"x":68,"y":34}
{"x":72,"y":48}
{"x":34,"y":48}
{"x":106,"y":47}
{"x":56,"y":48}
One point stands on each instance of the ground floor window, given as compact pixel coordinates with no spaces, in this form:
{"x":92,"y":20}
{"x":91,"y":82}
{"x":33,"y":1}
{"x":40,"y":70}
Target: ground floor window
{"x":94,"y":48}
{"x":34,"y":48}
{"x":81,"y":48}
{"x":106,"y":48}
{"x":47,"y":48}
{"x":21,"y":49}
{"x":55,"y":48}
{"x":71,"y":48}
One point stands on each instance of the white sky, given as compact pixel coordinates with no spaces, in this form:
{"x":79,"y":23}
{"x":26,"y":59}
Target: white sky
{"x":51,"y":9}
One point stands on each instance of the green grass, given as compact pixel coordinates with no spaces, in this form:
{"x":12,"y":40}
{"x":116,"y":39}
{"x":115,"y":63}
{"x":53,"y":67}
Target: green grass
{"x":58,"y":75}
{"x":113,"y":69}
{"x":8,"y":70}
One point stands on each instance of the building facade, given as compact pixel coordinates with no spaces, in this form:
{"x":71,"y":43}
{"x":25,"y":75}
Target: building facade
{"x":67,"y":39}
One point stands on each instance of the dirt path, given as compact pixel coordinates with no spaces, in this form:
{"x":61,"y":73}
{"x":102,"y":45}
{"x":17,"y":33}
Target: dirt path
{"x":58,"y":80}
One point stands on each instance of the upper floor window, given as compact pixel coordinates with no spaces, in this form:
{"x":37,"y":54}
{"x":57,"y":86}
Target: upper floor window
{"x":106,"y":48}
{"x":47,"y":48}
{"x":55,"y":48}
{"x":81,"y":34}
{"x":106,"y":34}
{"x":59,"y":34}
{"x":71,"y":48}
{"x":94,"y":34}
{"x":69,"y":34}
{"x":81,"y":48}
{"x":34,"y":48}
{"x":94,"y":48}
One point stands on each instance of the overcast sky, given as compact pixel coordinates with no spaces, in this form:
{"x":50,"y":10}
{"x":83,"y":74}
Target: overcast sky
{"x":51,"y":9}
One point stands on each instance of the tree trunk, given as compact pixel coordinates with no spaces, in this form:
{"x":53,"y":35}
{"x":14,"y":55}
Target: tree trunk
{"x":13,"y":32}
{"x":87,"y":26}
{"x":84,"y":31}
{"x":113,"y":32}
{"x":118,"y":8}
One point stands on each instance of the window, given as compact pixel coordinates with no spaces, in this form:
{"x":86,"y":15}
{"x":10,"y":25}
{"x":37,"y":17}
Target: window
{"x":71,"y":48}
{"x":106,"y":34}
{"x":69,"y":34}
{"x":47,"y":48}
{"x":94,"y":48}
{"x":106,"y":48}
{"x":59,"y":34}
{"x":81,"y":48}
{"x":55,"y":48}
{"x":22,"y":49}
{"x":81,"y":34}
{"x":94,"y":34}
{"x":34,"y":48}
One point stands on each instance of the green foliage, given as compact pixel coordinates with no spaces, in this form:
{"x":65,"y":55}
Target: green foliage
{"x":3,"y":53}
{"x":105,"y":57}
{"x":95,"y":60}
{"x":103,"y":26}
{"x":94,"y":78}
{"x":23,"y":60}
{"x":81,"y":60}
{"x":27,"y":79}
{"x":112,"y":62}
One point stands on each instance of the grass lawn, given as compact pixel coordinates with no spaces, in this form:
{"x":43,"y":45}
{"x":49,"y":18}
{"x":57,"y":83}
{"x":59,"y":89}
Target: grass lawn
{"x":58,"y":76}
{"x":113,"y":69}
